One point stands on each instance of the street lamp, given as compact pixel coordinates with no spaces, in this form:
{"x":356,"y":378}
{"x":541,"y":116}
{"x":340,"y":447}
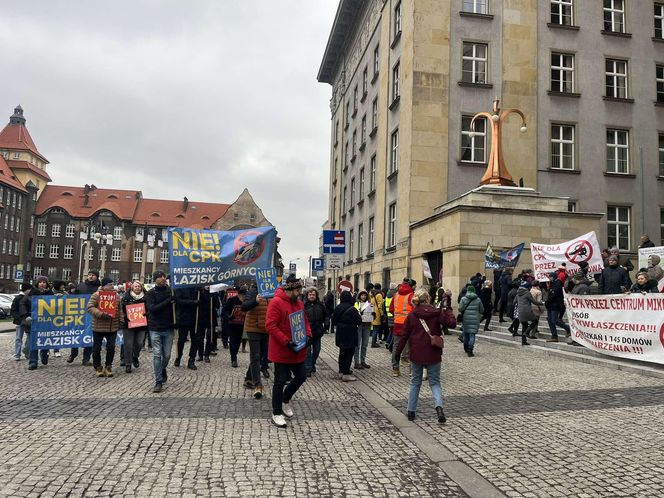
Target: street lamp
{"x":103,"y":239}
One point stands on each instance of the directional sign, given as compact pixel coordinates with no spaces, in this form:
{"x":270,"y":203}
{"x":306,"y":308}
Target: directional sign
{"x":334,"y":261}
{"x":334,"y":242}
{"x":317,"y":264}
{"x":18,"y":276}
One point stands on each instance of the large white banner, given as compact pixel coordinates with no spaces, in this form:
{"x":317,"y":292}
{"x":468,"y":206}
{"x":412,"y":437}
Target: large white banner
{"x":625,"y":325}
{"x":547,"y":258}
{"x":643,"y":260}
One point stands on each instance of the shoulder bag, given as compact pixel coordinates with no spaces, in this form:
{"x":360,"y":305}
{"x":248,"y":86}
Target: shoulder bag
{"x":436,"y":340}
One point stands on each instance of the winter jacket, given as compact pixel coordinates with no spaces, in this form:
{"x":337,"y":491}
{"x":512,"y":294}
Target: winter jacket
{"x":87,"y":287}
{"x":25,"y":306}
{"x":16,"y":302}
{"x":556,"y":299}
{"x":158,"y":304}
{"x":366,"y":310}
{"x":128,"y":299}
{"x":255,"y":309}
{"x":511,"y":302}
{"x":582,"y":288}
{"x":376,"y":300}
{"x":401,"y":306}
{"x":485,"y":295}
{"x":346,"y":320}
{"x":277,"y":324}
{"x":186,"y":302}
{"x":328,"y":301}
{"x":505,"y":285}
{"x":472,"y":309}
{"x":207,"y":311}
{"x":421,"y":350}
{"x":315,"y":311}
{"x":537,"y":309}
{"x":525,"y":304}
{"x":100,"y":324}
{"x":650,"y":287}
{"x":614,"y":280}
{"x":233,"y":310}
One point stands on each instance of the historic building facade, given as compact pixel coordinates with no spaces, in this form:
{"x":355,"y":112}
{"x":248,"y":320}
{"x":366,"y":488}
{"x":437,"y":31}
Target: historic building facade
{"x":408,"y":75}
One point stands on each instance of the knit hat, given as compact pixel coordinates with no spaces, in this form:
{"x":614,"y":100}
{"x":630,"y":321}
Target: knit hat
{"x":525,"y":284}
{"x":94,"y":272}
{"x":106,"y":281}
{"x":613,"y":258}
{"x":583,"y":265}
{"x":41,"y":278}
{"x":158,"y":274}
{"x":292,"y":283}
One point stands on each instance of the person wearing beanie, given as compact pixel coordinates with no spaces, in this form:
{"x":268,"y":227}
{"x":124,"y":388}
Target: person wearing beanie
{"x":368,"y":314}
{"x":25,"y":314}
{"x":159,"y":304}
{"x":255,"y":308}
{"x":471,"y":311}
{"x":346,"y":319}
{"x":614,"y":278}
{"x":187,"y":307}
{"x":282,"y":351}
{"x":555,"y":304}
{"x":89,"y":286}
{"x":104,"y":326}
{"x":16,"y":320}
{"x":232,"y":310}
{"x":132,"y":337}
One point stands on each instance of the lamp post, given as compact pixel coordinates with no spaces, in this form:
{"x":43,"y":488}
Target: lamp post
{"x":84,"y":244}
{"x":103,"y":239}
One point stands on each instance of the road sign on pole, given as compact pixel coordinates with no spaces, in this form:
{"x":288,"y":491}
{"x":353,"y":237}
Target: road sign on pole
{"x":344,"y":285}
{"x":334,"y":261}
{"x":317,"y":264}
{"x":292,"y":268}
{"x":334,"y":242}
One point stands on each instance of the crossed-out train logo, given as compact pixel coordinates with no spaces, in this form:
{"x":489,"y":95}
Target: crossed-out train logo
{"x":249,"y":246}
{"x":661,"y":335}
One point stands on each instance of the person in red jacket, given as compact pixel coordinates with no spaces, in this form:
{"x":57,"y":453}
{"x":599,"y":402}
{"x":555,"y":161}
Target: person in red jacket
{"x":282,"y":351}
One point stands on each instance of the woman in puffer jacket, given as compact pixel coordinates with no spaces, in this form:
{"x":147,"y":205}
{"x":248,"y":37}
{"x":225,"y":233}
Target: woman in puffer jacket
{"x":472,"y":310}
{"x":525,"y":313}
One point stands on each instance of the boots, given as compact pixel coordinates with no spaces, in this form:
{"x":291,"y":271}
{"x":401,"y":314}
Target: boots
{"x":177,"y":361}
{"x":99,"y":372}
{"x":191,"y":364}
{"x":128,"y":368}
{"x":108,"y":371}
{"x":411,"y":416}
{"x":441,"y":415}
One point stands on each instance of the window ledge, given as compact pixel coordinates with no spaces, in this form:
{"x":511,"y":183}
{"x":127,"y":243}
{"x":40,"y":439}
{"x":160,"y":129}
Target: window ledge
{"x":363,"y":146}
{"x":396,"y":39}
{"x":660,"y":178}
{"x":573,"y":95}
{"x":364,"y":97}
{"x":619,"y":34}
{"x":375,"y":77}
{"x":563,"y":170}
{"x":345,"y":168}
{"x":658,"y":104}
{"x":369,"y":256}
{"x":617,"y":99}
{"x":343,"y":216}
{"x":372,"y":133}
{"x":619,"y":175}
{"x":562,"y":26}
{"x":334,"y":182}
{"x":358,"y":259}
{"x":471,"y":163}
{"x":352,"y":159}
{"x":347,"y":125}
{"x":659,"y":40}
{"x":475,"y":85}
{"x":476,"y":15}
{"x":390,"y":249}
{"x":336,"y":142}
{"x":360,"y":202}
{"x":354,"y":113}
{"x":372,"y":193}
{"x":392,"y":175}
{"x":394,"y":103}
{"x":351,"y":209}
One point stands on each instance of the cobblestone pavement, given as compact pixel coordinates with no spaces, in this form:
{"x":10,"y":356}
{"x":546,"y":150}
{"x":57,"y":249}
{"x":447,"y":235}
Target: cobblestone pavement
{"x":64,"y":432}
{"x":536,"y":425}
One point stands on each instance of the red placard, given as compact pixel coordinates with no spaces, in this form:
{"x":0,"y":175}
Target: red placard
{"x":136,"y":315}
{"x":108,"y":302}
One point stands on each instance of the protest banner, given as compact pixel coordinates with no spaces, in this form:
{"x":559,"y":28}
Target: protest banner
{"x":652,"y":251}
{"x":136,"y":315}
{"x":298,"y":329}
{"x":108,"y":302}
{"x":206,"y":257}
{"x":625,"y":325}
{"x":266,"y":280}
{"x":508,"y":258}
{"x":60,"y":322}
{"x":547,"y":258}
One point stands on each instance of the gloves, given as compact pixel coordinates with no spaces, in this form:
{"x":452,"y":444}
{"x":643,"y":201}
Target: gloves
{"x":27,"y":321}
{"x":292,"y":346}
{"x":106,"y":316}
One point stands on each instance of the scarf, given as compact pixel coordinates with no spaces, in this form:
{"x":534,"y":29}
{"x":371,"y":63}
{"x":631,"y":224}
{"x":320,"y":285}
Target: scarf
{"x":137,"y":296}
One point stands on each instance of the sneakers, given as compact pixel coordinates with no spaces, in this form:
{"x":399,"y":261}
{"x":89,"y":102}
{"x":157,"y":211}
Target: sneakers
{"x":279,"y":421}
{"x":17,"y":358}
{"x":249,"y":384}
{"x":57,"y":354}
{"x":258,"y":392}
{"x":191,"y":365}
{"x":44,"y":360}
{"x":157,"y":388}
{"x":411,"y":416}
{"x":206,"y":359}
{"x":234,"y":364}
{"x":359,"y":367}
{"x":470,"y":354}
{"x":32,"y":366}
{"x":136,"y":363}
{"x":441,"y":415}
{"x":288,"y":411}
{"x":70,"y":359}
{"x":364,"y":365}
{"x":396,"y":372}
{"x":108,"y":371}
{"x":99,"y":372}
{"x":553,"y":339}
{"x":348,"y":378}
{"x":128,"y":369}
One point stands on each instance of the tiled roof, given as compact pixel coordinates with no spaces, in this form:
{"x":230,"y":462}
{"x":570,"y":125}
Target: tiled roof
{"x":7,"y":176}
{"x":29,"y":166}
{"x":158,"y":212}
{"x":16,"y":136}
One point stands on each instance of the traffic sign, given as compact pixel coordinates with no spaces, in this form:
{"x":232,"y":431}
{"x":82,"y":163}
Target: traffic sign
{"x":344,"y":285}
{"x":292,"y":268}
{"x":334,"y":242}
{"x":317,"y":264}
{"x":334,"y":261}
{"x":18,"y":276}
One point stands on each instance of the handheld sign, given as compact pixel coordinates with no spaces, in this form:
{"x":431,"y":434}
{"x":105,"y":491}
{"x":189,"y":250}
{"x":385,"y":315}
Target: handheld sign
{"x":60,"y":322}
{"x":136,"y":315}
{"x":108,"y":302}
{"x":266,"y":280}
{"x":298,"y":329}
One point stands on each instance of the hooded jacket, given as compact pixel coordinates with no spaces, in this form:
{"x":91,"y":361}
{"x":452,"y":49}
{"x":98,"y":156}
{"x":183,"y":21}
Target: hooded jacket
{"x":556,"y":299}
{"x":400,"y":306}
{"x":421,"y":350}
{"x":346,"y":318}
{"x":25,"y":305}
{"x":472,"y":309}
{"x":277,"y":325}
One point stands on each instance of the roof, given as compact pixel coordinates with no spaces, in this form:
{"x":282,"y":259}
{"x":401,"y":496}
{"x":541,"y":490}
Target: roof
{"x":186,"y":214}
{"x":16,"y":136}
{"x":29,"y":166}
{"x":343,"y":23}
{"x":8,"y":178}
{"x":122,"y":203}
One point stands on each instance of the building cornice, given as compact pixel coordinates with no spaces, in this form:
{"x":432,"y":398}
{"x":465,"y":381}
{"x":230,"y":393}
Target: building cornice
{"x":334,"y":50}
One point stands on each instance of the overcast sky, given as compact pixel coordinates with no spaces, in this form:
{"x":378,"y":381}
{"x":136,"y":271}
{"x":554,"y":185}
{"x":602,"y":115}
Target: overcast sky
{"x":196,"y":98}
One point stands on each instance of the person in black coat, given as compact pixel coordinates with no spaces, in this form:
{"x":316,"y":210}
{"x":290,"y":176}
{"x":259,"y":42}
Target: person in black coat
{"x":346,"y":318}
{"x":614,"y":278}
{"x":328,"y":302}
{"x":505,"y":283}
{"x":89,"y":286}
{"x":25,"y":314}
{"x":186,"y":307}
{"x":555,"y":303}
{"x":159,"y":306}
{"x":485,"y":295}
{"x":207,"y":323}
{"x":319,"y":322}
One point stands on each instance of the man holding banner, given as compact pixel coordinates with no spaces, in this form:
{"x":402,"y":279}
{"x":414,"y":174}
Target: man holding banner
{"x":25,"y":313}
{"x":106,"y":320}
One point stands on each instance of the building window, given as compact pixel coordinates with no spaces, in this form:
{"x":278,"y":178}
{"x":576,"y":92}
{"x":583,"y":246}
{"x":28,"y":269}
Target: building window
{"x":18,"y":224}
{"x":41,"y":229}
{"x":52,"y":272}
{"x":117,"y":233}
{"x":661,"y":154}
{"x":363,"y":130}
{"x":617,"y":151}
{"x":66,"y":274}
{"x":352,"y":192}
{"x":164,"y":257}
{"x":16,"y":246}
{"x":473,"y":144}
{"x":70,"y":231}
{"x":149,"y":257}
{"x":395,"y":81}
{"x":374,"y":114}
{"x":562,"y":12}
{"x":351,"y":243}
{"x":562,"y":73}
{"x":476,"y":6}
{"x":17,"y":155}
{"x":616,"y":78}
{"x":354,"y":143}
{"x":347,"y":116}
{"x":39,"y":249}
{"x":360,"y":239}
{"x":372,"y":174}
{"x":618,"y":227}
{"x":37,"y":271}
{"x":54,"y":251}
{"x":365,"y":81}
{"x":659,"y":21}
{"x":397,"y":19}
{"x":562,"y":146}
{"x":392,"y":225}
{"x":7,"y":222}
{"x":361,"y":190}
{"x":2,"y":271}
{"x":116,"y":254}
{"x":659,"y":79}
{"x":370,"y":246}
{"x":4,"y":246}
{"x":473,"y":64}
{"x":346,"y":155}
{"x":614,"y":16}
{"x":11,"y":224}
{"x":55,"y":230}
{"x":20,"y":199}
{"x":355,"y":100}
{"x":138,"y":254}
{"x":394,"y":154}
{"x":68,"y":252}
{"x":336,"y":132}
{"x":376,"y":62}
{"x":11,"y":246}
{"x":344,"y":204}
{"x":571,"y":206}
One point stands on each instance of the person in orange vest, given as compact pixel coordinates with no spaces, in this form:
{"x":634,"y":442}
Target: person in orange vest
{"x":400,"y":306}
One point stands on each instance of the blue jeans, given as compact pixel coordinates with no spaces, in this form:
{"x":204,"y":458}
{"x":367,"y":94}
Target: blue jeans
{"x":375,"y":335}
{"x":162,"y":344}
{"x":312,"y":355}
{"x":35,"y":354}
{"x":552,"y":318}
{"x":416,"y":384}
{"x":468,"y":342}
{"x":362,"y":343}
{"x":18,"y":342}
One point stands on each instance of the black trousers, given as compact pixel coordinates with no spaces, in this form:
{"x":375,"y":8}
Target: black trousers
{"x":524,"y":332}
{"x":205,"y":342}
{"x":345,"y":360}
{"x":185,"y":331}
{"x":257,"y":344}
{"x":282,"y":372}
{"x":235,"y":338}
{"x":98,"y":337}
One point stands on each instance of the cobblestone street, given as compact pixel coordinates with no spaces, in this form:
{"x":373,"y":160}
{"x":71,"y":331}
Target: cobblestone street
{"x":529,"y":424}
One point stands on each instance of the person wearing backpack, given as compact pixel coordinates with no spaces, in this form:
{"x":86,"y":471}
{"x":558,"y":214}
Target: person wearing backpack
{"x":16,"y":320}
{"x":471,"y":311}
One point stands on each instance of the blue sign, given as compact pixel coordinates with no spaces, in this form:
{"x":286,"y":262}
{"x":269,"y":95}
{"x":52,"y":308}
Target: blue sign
{"x":60,"y":322}
{"x":266,"y":280}
{"x":298,"y":329}
{"x":317,"y":264}
{"x":207,"y":257}
{"x":334,"y":242}
{"x":18,"y":276}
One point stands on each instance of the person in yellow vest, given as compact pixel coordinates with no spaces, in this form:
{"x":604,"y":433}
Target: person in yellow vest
{"x":255,"y":307}
{"x":400,"y":307}
{"x":389,"y":316}
{"x":376,"y":299}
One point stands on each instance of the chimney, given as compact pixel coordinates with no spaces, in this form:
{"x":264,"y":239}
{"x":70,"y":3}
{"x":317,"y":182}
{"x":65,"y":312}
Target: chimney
{"x":185,"y":204}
